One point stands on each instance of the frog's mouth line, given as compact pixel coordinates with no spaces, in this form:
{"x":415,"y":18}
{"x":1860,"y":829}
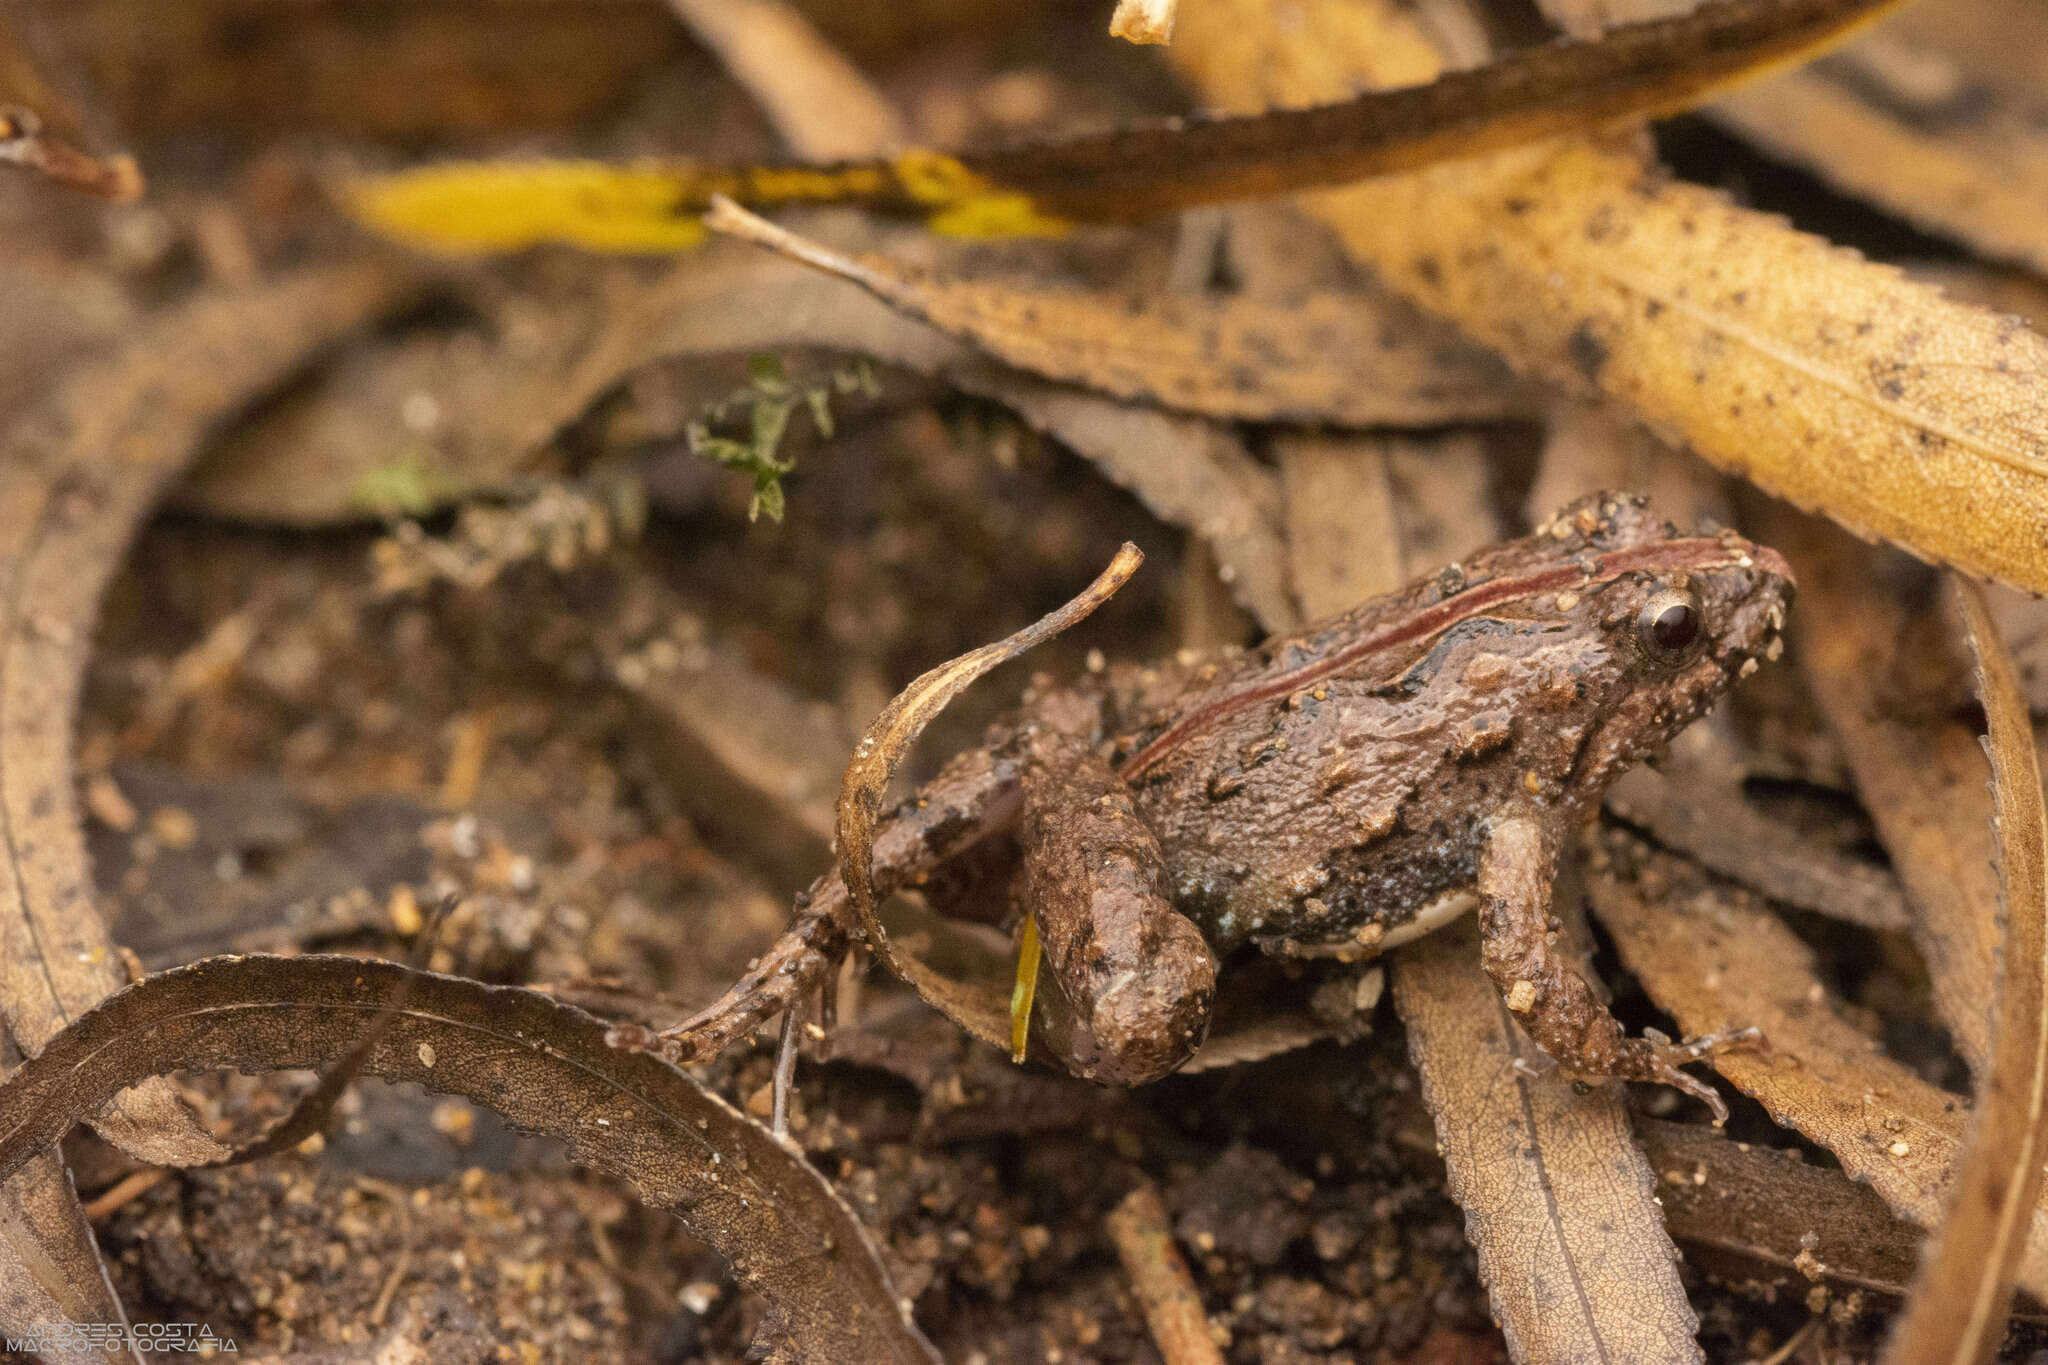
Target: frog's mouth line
{"x":1698,"y":554}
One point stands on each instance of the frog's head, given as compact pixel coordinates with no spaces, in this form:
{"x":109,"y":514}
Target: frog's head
{"x":1667,"y":623}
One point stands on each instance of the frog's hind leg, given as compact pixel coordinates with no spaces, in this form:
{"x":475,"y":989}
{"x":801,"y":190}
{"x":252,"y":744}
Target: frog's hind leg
{"x":1545,"y":991}
{"x":1135,"y":974}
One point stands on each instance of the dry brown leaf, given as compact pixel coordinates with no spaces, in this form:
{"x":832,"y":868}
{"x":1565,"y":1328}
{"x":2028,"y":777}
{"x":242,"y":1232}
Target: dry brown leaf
{"x":1558,"y":1199}
{"x":1715,"y":959}
{"x":823,"y":108}
{"x":1767,"y":1208}
{"x":1964,"y":1291}
{"x":77,"y":475}
{"x":982,"y":1012}
{"x":1135,"y":171}
{"x":1864,"y":643}
{"x":50,"y":1269}
{"x":1835,"y":383}
{"x":1912,"y":126}
{"x":543,"y":1066}
{"x":1698,"y":808}
{"x":1351,"y":359}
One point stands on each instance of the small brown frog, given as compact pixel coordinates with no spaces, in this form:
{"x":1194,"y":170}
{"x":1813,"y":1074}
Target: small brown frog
{"x":1333,"y":793}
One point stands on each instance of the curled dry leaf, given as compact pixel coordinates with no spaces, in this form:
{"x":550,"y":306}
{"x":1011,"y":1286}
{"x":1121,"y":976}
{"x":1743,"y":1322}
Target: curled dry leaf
{"x":542,"y":1065}
{"x":1958,"y":1308}
{"x":1917,"y":127}
{"x":980,"y":1010}
{"x":1558,"y":1199}
{"x":1714,"y":958}
{"x":1835,"y":383}
{"x":1137,"y":171}
{"x":821,"y":106}
{"x":1351,"y":359}
{"x":78,"y":475}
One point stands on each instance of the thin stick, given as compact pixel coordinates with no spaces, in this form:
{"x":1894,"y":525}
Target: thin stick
{"x":1173,"y":1310}
{"x":125,"y":1191}
{"x":785,"y":1066}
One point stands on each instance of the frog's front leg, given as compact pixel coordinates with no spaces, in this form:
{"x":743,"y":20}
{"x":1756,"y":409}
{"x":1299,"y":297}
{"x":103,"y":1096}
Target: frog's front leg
{"x":1135,"y":974}
{"x":1517,"y":865}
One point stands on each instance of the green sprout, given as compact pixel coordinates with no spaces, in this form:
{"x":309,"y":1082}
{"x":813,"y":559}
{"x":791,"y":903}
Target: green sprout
{"x":769,"y":400}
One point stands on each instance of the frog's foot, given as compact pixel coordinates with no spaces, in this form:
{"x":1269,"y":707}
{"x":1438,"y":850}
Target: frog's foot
{"x":793,"y":967}
{"x":1543,"y":990}
{"x":1656,"y":1059}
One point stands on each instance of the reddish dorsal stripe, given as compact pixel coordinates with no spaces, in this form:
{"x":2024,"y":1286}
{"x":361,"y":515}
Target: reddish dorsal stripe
{"x":1692,"y":553}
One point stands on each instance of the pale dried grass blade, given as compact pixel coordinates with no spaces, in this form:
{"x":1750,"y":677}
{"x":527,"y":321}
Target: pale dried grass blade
{"x":1350,"y":359}
{"x":1835,"y":383}
{"x":1715,"y":958}
{"x":819,"y":102}
{"x":978,"y":1009}
{"x":1958,"y":1309}
{"x":1558,"y":1200}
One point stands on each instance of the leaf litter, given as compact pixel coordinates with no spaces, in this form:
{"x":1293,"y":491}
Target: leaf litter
{"x":1272,"y":509}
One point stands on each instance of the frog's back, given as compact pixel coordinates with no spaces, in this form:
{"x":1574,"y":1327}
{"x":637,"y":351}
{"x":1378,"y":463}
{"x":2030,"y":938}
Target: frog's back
{"x":1331,"y":787}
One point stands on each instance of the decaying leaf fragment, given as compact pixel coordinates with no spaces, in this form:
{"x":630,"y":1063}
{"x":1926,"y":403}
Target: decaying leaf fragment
{"x":1958,"y":1309}
{"x":1558,"y":1199}
{"x":1351,"y":359}
{"x":544,"y":1066}
{"x":1835,"y":383}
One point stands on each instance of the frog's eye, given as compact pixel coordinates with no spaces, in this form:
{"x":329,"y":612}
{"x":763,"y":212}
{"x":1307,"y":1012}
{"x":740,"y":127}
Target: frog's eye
{"x":1669,"y":623}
